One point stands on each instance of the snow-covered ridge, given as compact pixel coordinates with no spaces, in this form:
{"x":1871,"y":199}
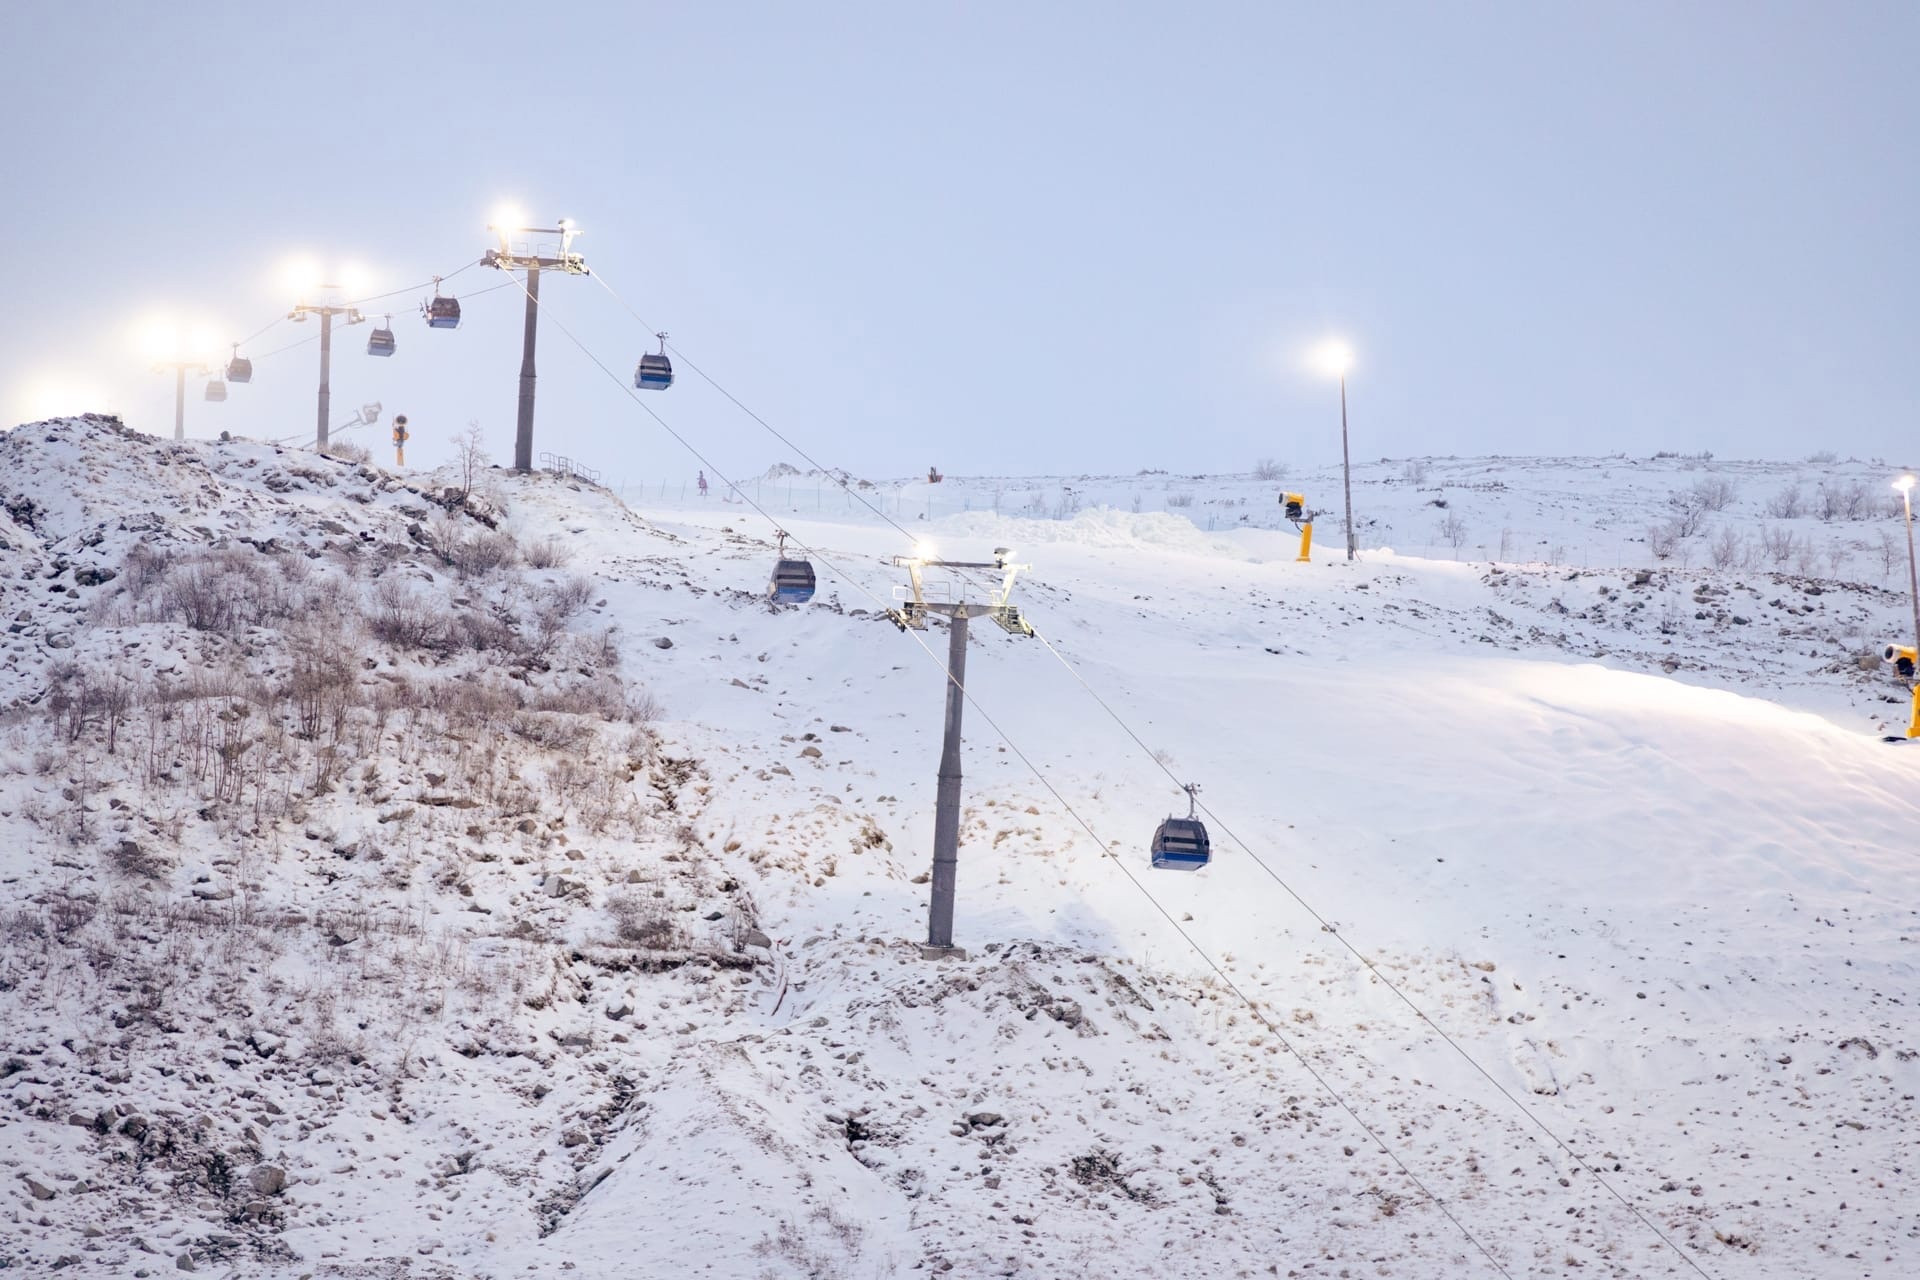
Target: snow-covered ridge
{"x":404,"y":881}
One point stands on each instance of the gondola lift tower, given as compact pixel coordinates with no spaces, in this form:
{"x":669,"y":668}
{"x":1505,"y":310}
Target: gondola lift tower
{"x":916,"y":606}
{"x":514,"y":254}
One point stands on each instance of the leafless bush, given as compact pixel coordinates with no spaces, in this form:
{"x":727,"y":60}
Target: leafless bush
{"x":1269,"y":469}
{"x":548,"y":553}
{"x":348,"y":451}
{"x":1179,"y":501}
{"x":1725,"y":548}
{"x":1845,"y":502}
{"x":142,"y":571}
{"x":1713,"y":493}
{"x":1780,"y":544}
{"x":470,"y":456}
{"x":555,"y":731}
{"x":644,"y":922}
{"x":1888,"y":553}
{"x":403,"y":617}
{"x":477,"y":553}
{"x":483,"y":631}
{"x":1416,"y":471}
{"x":1453,"y":531}
{"x":199,"y":598}
{"x":1826,"y":457}
{"x":1788,"y":504}
{"x":1689,"y":511}
{"x":1663,"y":538}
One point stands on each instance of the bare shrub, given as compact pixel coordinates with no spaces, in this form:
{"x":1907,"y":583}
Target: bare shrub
{"x":1416,"y":471}
{"x":403,"y":617}
{"x":142,"y":571}
{"x":1269,"y":469}
{"x":470,"y":456}
{"x":1179,"y":501}
{"x":199,"y":598}
{"x":1825,"y":457}
{"x":548,"y":553}
{"x":1663,"y":538}
{"x":348,"y":451}
{"x":1725,"y":548}
{"x":1780,"y":544}
{"x":1888,"y":553}
{"x":1713,"y":493}
{"x":1453,"y":531}
{"x":477,"y":553}
{"x":1788,"y":504}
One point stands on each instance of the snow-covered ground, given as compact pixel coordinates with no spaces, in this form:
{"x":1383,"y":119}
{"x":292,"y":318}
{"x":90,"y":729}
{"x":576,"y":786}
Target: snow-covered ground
{"x":416,"y":913}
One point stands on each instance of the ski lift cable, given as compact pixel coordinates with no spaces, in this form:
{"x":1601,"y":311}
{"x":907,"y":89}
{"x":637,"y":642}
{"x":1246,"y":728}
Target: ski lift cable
{"x":1178,"y":785}
{"x":413,"y":288}
{"x":1327,"y":926}
{"x":354,"y":302}
{"x":835,"y":475}
{"x":1106,"y":850}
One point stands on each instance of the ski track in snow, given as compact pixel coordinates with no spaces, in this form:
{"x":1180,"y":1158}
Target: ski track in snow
{"x":1627,"y":834}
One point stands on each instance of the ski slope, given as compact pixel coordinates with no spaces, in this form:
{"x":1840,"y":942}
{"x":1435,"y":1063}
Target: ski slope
{"x":1649,"y":869}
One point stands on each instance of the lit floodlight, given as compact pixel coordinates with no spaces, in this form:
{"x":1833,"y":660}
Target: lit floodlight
{"x":302,"y":276}
{"x":507,"y":218}
{"x":925,"y":550}
{"x":1333,"y":358}
{"x":1904,"y":483}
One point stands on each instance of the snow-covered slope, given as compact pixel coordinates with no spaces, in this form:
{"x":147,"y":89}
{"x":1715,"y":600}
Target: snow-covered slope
{"x":528,"y":919}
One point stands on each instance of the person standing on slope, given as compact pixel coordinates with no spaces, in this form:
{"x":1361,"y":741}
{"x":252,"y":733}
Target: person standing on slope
{"x":703,"y":484}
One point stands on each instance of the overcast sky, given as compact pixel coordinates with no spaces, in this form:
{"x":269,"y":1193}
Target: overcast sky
{"x":996,"y":237}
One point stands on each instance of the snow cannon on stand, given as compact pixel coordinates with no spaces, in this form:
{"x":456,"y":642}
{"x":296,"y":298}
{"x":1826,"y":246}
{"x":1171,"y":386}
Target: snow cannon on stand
{"x":1904,"y":659}
{"x":1295,"y":506}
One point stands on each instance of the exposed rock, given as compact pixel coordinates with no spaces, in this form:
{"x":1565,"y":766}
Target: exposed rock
{"x":40,"y":1190}
{"x":663,"y":642}
{"x":267,"y":1179}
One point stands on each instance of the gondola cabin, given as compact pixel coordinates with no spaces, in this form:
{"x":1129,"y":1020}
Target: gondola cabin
{"x":443,"y":313}
{"x":1181,"y":844}
{"x":216,"y":390}
{"x":792,"y":582}
{"x":239,"y":369}
{"x":655,"y":373}
{"x":380,"y":342}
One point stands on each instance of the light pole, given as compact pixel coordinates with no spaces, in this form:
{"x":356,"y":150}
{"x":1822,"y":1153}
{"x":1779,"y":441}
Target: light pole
{"x":1905,"y":485}
{"x":1336,"y":357}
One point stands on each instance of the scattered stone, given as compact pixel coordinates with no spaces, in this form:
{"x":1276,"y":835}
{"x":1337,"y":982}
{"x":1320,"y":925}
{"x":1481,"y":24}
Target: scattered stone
{"x":985,"y":1119}
{"x":810,"y":753}
{"x":185,"y":1262}
{"x":663,"y":643}
{"x":267,"y":1179}
{"x":39,"y":1189}
{"x":755,"y":938}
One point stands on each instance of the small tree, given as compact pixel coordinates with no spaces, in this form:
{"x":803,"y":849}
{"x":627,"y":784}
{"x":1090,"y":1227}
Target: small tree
{"x":470,"y":455}
{"x":1269,"y":469}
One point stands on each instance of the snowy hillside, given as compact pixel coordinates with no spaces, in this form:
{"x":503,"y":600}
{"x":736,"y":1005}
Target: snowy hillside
{"x":405,"y":877}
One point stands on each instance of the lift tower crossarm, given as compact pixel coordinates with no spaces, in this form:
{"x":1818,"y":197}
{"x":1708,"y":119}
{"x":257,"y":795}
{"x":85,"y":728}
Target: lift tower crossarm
{"x":505,"y":258}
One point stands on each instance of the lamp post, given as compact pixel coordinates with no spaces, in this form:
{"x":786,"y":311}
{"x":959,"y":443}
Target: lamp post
{"x":1905,"y":485}
{"x":1336,"y":358}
